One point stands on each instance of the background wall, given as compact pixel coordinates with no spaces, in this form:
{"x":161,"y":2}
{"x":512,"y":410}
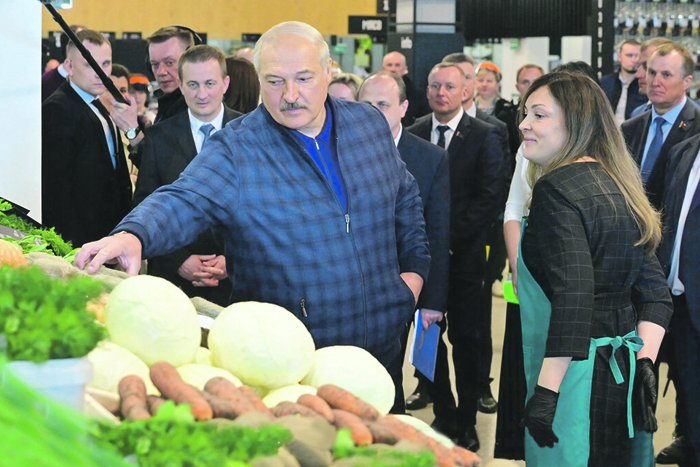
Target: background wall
{"x":20,"y":98}
{"x":220,"y":19}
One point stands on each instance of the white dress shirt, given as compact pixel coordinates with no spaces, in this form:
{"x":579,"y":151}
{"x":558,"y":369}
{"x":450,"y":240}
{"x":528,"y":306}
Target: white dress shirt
{"x":195,"y":124}
{"x":435,"y":134}
{"x":398,"y":137}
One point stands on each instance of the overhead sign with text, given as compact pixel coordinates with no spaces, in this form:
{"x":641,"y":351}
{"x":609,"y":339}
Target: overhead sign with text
{"x":374,"y":26}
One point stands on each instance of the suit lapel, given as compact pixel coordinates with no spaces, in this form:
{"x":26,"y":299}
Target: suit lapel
{"x":188,"y":150}
{"x":680,"y":177}
{"x":684,"y":122}
{"x":423,"y":127}
{"x":460,"y":137}
{"x":87,"y":112}
{"x":640,"y":138}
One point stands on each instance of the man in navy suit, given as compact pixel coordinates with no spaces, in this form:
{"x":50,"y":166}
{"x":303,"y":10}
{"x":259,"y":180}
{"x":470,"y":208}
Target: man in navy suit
{"x":672,"y":118}
{"x":679,"y":255}
{"x":86,"y":189}
{"x":475,"y":193}
{"x":199,"y":268}
{"x":669,"y":73}
{"x":429,"y":166}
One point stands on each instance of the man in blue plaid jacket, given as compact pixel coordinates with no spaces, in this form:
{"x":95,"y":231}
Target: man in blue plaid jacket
{"x":318,"y":211}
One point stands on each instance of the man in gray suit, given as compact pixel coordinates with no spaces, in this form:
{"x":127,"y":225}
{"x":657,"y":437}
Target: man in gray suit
{"x":199,"y":269}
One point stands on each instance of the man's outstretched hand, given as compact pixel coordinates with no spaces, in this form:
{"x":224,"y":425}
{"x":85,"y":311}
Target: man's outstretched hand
{"x":123,"y":248}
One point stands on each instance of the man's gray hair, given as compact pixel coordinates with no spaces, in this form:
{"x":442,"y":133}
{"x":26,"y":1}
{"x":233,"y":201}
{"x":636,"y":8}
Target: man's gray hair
{"x":296,"y":28}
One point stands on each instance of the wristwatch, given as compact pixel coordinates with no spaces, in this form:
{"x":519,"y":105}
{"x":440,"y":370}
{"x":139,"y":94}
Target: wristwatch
{"x":132,"y":133}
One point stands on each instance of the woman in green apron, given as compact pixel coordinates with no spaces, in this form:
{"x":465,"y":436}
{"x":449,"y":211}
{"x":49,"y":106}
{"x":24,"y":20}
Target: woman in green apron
{"x":594,"y":302}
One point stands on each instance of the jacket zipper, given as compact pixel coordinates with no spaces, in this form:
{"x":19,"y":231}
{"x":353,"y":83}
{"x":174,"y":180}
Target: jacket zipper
{"x":302,"y":304}
{"x":325,"y":167}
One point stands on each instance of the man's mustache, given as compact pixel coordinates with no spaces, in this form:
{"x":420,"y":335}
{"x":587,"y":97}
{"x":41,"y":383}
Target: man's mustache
{"x":291,"y":106}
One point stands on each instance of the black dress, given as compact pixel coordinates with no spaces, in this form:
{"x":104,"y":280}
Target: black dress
{"x":579,"y":247}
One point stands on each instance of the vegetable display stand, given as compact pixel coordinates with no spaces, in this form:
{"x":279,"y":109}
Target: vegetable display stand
{"x":63,"y":380}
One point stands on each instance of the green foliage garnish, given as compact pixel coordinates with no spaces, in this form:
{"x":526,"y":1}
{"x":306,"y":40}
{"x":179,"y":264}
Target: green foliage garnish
{"x":345,"y":447}
{"x":54,"y":243}
{"x":44,"y":318}
{"x":173,"y":439}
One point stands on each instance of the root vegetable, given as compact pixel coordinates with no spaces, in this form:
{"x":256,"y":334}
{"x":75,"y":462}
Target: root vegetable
{"x":380,"y":433}
{"x":443,"y":456}
{"x":224,"y":408}
{"x":228,"y":392}
{"x":168,"y":381}
{"x":154,"y":403}
{"x":358,"y":430}
{"x":132,"y":393}
{"x":290,"y":408}
{"x":318,"y":405}
{"x":339,"y":398}
{"x":254,"y":399}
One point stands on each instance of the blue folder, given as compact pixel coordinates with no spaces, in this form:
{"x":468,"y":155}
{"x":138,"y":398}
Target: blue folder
{"x":423,"y":353}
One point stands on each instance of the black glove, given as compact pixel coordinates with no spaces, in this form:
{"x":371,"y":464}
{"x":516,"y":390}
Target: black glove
{"x":539,"y":416}
{"x":644,"y":396}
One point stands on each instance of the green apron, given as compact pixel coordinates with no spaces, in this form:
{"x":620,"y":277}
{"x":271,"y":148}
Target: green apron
{"x":572,"y":417}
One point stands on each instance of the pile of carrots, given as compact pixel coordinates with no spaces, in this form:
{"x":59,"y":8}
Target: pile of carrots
{"x":222,"y":399}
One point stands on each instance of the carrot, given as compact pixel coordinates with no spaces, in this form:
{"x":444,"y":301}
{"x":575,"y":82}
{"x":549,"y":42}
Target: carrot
{"x":227,"y":391}
{"x":360,"y":433}
{"x":222,"y":408}
{"x":339,"y":398}
{"x":468,"y":457}
{"x":168,"y":381}
{"x":290,"y":408}
{"x":154,"y":403}
{"x":318,"y":405}
{"x":132,"y":392}
{"x":380,"y":433}
{"x":443,"y":456}
{"x":258,"y":404}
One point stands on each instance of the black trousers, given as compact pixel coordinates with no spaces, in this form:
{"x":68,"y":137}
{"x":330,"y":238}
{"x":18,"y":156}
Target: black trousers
{"x":464,"y":318}
{"x":464,"y":327}
{"x":687,"y":346}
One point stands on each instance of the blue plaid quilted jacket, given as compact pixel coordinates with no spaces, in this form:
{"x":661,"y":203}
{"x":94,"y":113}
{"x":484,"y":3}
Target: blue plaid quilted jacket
{"x":288,"y":240}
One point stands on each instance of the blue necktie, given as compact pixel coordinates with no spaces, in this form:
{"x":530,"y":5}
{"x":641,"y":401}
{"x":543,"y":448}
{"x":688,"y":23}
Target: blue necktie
{"x":441,"y":139}
{"x":206,"y":130}
{"x":654,"y":149}
{"x":105,"y":114}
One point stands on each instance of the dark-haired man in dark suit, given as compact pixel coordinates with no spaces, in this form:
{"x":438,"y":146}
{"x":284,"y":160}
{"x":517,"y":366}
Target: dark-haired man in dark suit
{"x":475,"y":193}
{"x":429,"y":166}
{"x":165,"y":47}
{"x":86,"y":188}
{"x":495,"y":241}
{"x":199,"y":268}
